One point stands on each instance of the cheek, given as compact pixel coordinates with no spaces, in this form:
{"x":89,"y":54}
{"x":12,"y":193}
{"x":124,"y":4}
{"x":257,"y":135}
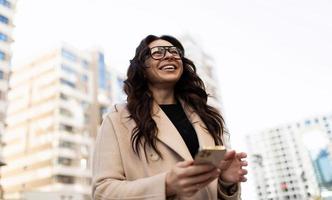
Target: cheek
{"x":151,"y":74}
{"x":150,"y":63}
{"x":181,"y":71}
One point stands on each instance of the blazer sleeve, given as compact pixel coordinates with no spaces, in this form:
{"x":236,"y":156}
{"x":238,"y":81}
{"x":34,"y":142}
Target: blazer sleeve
{"x":225,"y":192}
{"x":109,"y":180}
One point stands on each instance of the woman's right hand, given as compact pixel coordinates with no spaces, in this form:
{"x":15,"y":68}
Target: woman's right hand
{"x":185,"y":178}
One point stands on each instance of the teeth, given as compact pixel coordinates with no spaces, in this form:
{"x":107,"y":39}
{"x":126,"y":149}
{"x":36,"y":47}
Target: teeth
{"x":168,"y":67}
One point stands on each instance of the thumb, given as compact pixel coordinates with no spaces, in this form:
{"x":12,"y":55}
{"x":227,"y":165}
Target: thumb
{"x":229,"y":155}
{"x":185,"y":163}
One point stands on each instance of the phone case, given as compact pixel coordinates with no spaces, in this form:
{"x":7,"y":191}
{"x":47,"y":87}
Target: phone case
{"x":210,"y":155}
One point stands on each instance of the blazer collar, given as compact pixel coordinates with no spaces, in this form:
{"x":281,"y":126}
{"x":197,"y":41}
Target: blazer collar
{"x":169,"y":135}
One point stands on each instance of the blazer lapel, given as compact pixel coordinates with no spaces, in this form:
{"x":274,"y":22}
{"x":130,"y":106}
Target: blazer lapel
{"x":168,"y":134}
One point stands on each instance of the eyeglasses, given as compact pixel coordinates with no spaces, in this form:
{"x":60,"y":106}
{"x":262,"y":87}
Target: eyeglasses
{"x":159,"y":52}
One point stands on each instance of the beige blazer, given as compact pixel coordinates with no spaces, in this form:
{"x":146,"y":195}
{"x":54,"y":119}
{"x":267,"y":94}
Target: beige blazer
{"x":118,"y":173}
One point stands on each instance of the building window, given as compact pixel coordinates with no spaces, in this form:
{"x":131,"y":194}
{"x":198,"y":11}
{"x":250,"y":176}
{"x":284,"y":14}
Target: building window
{"x":65,"y":179}
{"x":2,"y":55}
{"x":68,"y":55}
{"x":307,"y":122}
{"x":66,"y":144}
{"x":64,"y":127}
{"x":68,"y":83}
{"x":85,"y":64}
{"x":63,"y":96}
{"x":64,"y":161}
{"x":5,"y":3}
{"x":4,"y":19}
{"x":67,"y":69}
{"x":65,"y":112}
{"x":3,"y":37}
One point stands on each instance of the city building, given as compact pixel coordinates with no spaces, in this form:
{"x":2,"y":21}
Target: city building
{"x":205,"y":68}
{"x":56,"y":103}
{"x":292,"y":161}
{"x":7,"y":12}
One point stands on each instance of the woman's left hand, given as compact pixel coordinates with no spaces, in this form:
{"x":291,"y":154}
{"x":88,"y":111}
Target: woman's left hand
{"x":232,"y":167}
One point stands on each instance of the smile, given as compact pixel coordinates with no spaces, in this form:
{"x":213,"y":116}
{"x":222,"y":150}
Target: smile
{"x":168,"y":68}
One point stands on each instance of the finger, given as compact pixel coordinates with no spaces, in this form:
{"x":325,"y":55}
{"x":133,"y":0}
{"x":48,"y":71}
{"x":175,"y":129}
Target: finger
{"x":208,"y":181}
{"x":244,"y":163}
{"x":224,"y":164}
{"x":198,"y":186}
{"x":202,"y":178}
{"x":229,"y":155}
{"x":241,"y":155}
{"x":185,"y":163}
{"x":195,"y":170}
{"x":243,"y":172}
{"x":192,"y":189}
{"x":188,"y":193}
{"x":243,"y":179}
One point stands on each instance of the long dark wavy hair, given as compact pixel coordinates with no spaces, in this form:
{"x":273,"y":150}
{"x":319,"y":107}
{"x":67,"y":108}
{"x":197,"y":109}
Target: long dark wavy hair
{"x":190,"y":88}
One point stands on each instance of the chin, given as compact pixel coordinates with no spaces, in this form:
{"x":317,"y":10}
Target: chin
{"x":170,"y":81}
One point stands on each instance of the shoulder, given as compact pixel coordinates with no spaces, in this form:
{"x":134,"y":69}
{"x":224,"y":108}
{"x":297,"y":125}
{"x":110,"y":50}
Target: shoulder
{"x":117,"y":110}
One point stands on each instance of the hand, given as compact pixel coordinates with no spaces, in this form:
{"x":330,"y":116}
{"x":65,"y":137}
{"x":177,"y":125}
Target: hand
{"x":232,"y":167}
{"x":185,"y":179}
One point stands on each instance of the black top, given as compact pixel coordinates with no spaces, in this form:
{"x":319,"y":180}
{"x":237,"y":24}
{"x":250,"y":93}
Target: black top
{"x":179,"y":119}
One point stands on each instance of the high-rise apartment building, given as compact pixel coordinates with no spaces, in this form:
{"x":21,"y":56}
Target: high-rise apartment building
{"x":293,"y":161}
{"x":7,"y":11}
{"x":204,"y":64}
{"x":55,"y":108}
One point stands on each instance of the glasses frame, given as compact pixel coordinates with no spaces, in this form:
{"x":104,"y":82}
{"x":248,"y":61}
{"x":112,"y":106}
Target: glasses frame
{"x":167,"y":49}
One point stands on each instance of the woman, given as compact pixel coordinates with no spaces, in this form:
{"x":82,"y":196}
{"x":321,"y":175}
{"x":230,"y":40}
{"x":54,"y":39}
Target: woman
{"x":145,"y":148}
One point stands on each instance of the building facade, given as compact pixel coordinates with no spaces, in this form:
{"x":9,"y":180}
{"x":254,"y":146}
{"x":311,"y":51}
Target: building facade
{"x":205,"y":68}
{"x":7,"y":12}
{"x":56,"y":105}
{"x":292,"y":161}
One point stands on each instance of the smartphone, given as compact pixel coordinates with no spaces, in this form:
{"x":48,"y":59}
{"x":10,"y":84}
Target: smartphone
{"x":210,"y":155}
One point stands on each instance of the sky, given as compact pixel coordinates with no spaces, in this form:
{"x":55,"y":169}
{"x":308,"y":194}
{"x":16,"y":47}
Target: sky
{"x":272,"y":59}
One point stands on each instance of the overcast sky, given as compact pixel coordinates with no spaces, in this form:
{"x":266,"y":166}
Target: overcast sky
{"x":272,"y":58}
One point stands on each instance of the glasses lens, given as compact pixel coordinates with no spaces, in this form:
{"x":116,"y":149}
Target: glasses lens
{"x":174,"y":51}
{"x":157,"y":52}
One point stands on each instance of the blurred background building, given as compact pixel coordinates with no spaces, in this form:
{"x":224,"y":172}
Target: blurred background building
{"x":293,"y":161}
{"x":56,"y":103}
{"x":7,"y":11}
{"x":205,"y":68}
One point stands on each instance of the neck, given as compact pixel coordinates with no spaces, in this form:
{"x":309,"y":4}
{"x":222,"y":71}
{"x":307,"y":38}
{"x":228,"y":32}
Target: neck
{"x":163,"y":95}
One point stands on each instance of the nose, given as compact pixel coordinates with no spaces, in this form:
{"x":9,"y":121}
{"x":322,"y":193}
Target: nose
{"x":168,"y":55}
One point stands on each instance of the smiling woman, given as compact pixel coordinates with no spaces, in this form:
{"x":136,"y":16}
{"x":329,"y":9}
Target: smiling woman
{"x":145,"y":148}
{"x":165,"y":68}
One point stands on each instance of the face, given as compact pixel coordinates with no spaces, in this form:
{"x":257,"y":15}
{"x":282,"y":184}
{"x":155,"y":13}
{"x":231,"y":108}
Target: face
{"x":165,"y":71}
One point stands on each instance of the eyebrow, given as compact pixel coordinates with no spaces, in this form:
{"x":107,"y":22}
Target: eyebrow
{"x":162,"y":46}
